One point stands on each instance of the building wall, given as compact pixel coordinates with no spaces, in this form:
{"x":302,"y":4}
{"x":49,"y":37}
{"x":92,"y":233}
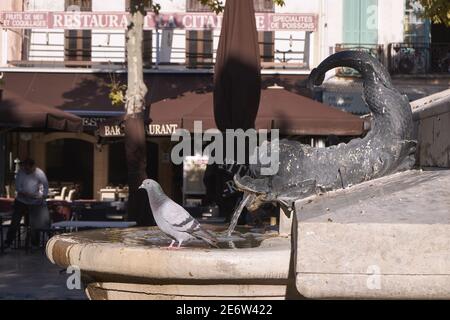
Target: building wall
{"x":108,"y":45}
{"x":330,"y":25}
{"x":45,"y":45}
{"x":10,"y":40}
{"x":48,"y":45}
{"x":390,"y":17}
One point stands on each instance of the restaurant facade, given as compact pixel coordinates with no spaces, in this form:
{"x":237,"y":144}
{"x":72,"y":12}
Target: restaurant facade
{"x":68,"y":54}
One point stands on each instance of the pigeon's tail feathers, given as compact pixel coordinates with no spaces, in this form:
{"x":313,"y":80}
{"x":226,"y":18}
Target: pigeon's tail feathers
{"x":206,"y":236}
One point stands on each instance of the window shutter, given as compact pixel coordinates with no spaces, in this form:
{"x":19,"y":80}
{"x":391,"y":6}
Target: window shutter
{"x":78,"y":43}
{"x":266,"y":39}
{"x":360,"y":22}
{"x":199,"y":49}
{"x":199,"y":44}
{"x":147,"y":48}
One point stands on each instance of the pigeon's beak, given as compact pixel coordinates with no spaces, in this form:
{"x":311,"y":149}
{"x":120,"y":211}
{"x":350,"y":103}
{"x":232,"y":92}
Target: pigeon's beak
{"x":141,"y":186}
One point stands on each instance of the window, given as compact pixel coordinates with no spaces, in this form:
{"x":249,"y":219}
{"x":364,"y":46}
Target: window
{"x":196,"y":6}
{"x":78,"y":5}
{"x":78,"y":43}
{"x":360,"y":21}
{"x":199,"y":44}
{"x":264,"y":5}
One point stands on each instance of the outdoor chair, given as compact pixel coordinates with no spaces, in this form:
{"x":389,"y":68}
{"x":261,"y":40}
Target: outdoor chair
{"x":108,"y":194}
{"x":62,"y":195}
{"x":122,"y":195}
{"x":8,"y":191}
{"x":70,"y":197}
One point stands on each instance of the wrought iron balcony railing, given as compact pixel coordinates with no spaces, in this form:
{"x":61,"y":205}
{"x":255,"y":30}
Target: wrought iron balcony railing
{"x":104,"y":49}
{"x":419,"y":58}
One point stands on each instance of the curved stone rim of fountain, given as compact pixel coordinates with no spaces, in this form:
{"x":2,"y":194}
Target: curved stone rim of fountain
{"x":268,"y":261}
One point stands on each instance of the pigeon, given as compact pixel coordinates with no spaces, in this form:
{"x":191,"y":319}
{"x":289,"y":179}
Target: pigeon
{"x":172,"y":218}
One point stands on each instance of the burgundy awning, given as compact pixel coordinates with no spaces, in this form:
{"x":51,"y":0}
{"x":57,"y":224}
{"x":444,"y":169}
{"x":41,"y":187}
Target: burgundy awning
{"x":18,"y":113}
{"x":293,"y":114}
{"x":83,"y":93}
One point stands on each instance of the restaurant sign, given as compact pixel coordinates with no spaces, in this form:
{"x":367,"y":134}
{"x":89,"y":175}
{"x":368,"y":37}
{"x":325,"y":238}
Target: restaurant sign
{"x":178,"y":20}
{"x":117,"y":130}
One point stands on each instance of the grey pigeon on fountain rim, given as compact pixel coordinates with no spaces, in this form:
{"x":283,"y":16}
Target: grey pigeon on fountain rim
{"x":172,"y":218}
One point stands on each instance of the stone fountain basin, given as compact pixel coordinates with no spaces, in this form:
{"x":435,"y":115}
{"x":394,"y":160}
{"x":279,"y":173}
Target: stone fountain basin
{"x":133,"y":264}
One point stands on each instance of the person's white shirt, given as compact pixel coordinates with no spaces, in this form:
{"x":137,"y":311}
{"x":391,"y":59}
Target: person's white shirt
{"x":35,"y":184}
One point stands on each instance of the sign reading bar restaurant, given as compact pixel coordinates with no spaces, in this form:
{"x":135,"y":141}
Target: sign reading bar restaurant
{"x":116,"y":130}
{"x":119,"y":20}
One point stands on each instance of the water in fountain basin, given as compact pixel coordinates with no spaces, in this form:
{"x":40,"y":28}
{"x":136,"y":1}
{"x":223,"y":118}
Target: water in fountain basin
{"x":152,"y":237}
{"x":246,"y":199}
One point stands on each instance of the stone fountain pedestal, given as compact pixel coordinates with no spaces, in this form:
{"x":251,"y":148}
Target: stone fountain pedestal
{"x":130,"y":264}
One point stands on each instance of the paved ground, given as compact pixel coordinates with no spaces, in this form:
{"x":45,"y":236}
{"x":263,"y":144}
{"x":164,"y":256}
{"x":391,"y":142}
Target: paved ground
{"x":31,"y":276}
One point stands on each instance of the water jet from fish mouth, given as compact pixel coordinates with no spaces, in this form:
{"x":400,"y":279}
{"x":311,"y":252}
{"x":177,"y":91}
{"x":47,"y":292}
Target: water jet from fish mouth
{"x":248,"y":197}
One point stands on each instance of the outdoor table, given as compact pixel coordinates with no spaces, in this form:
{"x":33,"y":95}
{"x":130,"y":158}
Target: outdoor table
{"x":96,"y":209}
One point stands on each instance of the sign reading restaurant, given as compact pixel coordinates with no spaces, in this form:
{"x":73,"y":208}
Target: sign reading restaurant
{"x":116,"y":130}
{"x":179,"y":20}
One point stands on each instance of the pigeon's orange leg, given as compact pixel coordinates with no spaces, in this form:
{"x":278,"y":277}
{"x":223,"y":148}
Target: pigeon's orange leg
{"x":171,"y":245}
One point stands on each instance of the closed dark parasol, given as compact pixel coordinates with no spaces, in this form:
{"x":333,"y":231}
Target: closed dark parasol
{"x":237,"y":78}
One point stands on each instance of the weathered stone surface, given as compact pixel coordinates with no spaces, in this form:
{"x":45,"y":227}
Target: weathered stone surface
{"x":395,"y":227}
{"x":132,"y":291}
{"x":392,"y":286}
{"x":114,"y":266}
{"x":432,"y":119}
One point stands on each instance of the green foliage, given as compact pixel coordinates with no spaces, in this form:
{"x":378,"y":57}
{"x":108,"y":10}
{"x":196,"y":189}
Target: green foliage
{"x":143,"y":6}
{"x":217,"y":5}
{"x":437,"y":10}
{"x":117,"y":93}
